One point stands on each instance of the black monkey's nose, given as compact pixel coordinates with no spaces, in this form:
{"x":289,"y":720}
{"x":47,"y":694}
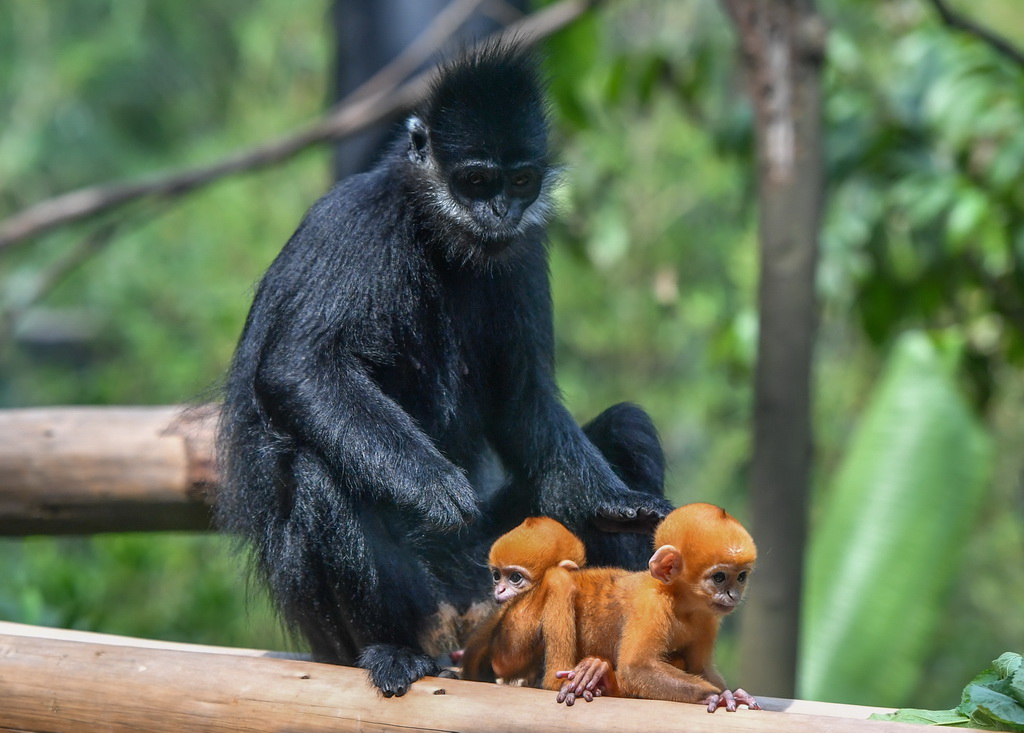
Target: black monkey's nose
{"x":500,"y":207}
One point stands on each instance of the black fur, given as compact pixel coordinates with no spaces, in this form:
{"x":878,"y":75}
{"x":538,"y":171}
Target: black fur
{"x":391,"y":406}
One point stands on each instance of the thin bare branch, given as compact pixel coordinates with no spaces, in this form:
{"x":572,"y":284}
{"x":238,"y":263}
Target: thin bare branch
{"x":961,"y":23}
{"x":51,"y":277}
{"x":438,"y":33}
{"x":501,"y":11}
{"x":346,"y":119}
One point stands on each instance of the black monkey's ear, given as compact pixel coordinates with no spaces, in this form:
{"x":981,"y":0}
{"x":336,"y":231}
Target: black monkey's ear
{"x":417,"y":139}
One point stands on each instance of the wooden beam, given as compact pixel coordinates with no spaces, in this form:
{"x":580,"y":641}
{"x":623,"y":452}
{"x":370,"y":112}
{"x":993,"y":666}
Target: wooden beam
{"x":78,"y":470}
{"x":63,"y":685}
{"x":10,"y":628}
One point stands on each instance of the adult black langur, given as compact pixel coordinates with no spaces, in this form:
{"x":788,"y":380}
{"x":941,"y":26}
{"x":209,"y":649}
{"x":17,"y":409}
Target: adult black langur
{"x":391,"y":407}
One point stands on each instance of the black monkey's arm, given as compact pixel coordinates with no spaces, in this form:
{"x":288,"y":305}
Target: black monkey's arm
{"x":572,"y":479}
{"x":569,"y":476}
{"x":576,"y":477}
{"x":369,"y":442}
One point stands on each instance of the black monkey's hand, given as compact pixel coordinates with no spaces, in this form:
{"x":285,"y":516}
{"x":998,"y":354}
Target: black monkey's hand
{"x":446,"y":503}
{"x":632,"y":512}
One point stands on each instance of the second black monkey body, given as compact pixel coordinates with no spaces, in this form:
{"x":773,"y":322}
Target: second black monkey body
{"x":391,"y":407}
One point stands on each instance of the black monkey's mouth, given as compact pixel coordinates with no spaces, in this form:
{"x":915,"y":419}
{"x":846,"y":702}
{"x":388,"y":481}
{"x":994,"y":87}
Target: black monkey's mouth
{"x":495,"y":247}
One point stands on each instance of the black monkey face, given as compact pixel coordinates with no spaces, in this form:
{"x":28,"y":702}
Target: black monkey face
{"x":496,"y":198}
{"x":491,"y":194}
{"x":479,"y":147}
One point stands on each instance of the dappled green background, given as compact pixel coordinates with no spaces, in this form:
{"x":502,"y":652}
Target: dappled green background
{"x":654,"y":261}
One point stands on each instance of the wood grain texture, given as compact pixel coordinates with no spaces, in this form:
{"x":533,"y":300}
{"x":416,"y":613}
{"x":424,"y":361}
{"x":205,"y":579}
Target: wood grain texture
{"x":100,"y":469}
{"x":65,"y":685}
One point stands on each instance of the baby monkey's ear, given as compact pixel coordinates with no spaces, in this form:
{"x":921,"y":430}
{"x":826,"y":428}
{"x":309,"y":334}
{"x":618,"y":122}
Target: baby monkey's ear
{"x":666,"y":563}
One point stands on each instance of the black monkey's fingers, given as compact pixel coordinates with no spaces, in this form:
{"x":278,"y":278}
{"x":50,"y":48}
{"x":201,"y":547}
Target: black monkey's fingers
{"x":449,"y":504}
{"x":393,"y":668}
{"x":636,"y":513}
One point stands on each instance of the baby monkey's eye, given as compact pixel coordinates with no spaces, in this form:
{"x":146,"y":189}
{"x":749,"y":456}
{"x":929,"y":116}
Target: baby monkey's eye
{"x":718,"y":577}
{"x":516,"y":578}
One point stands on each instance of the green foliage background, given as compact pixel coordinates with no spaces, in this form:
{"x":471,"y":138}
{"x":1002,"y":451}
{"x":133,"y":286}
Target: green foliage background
{"x":653,"y":258}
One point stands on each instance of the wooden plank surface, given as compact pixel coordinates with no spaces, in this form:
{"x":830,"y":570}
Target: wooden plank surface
{"x":105,"y":469}
{"x":57,"y":684}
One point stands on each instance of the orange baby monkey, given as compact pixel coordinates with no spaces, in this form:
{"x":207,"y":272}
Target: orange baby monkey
{"x":531,"y":568}
{"x":652,"y":635}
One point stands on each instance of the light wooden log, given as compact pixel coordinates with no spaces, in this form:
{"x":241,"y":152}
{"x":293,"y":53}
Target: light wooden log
{"x":10,"y":628}
{"x":105,"y":469}
{"x":61,"y":685}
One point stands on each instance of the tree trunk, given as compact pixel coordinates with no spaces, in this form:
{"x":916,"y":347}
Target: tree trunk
{"x":782,"y":45}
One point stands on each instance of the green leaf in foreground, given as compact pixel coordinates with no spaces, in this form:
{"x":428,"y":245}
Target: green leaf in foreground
{"x":994,"y":700}
{"x":991,"y":708}
{"x":947,"y":718}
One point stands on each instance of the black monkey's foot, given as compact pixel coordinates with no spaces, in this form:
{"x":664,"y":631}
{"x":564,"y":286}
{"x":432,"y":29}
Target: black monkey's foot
{"x":638,"y":513}
{"x":393,"y":668}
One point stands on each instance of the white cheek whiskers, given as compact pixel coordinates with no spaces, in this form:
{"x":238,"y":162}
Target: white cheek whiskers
{"x":446,"y":208}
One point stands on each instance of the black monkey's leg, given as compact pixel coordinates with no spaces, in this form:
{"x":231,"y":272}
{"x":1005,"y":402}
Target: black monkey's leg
{"x":347,"y":576}
{"x":401,"y":596}
{"x":627,"y":438}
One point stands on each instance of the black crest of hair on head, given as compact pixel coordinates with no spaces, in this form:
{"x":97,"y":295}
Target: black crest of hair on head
{"x":488,"y":103}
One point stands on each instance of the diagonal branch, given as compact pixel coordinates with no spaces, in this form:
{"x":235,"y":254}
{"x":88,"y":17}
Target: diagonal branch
{"x":439,"y":32}
{"x":51,"y":277}
{"x":959,"y":22}
{"x":362,"y":109}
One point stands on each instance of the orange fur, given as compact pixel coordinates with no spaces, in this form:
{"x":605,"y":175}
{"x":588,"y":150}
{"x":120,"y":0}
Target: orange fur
{"x":510,"y":643}
{"x":658,"y":629}
{"x":538,"y":543}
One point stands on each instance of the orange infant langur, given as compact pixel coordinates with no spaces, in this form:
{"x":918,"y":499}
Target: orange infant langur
{"x":652,"y":635}
{"x":532,"y":570}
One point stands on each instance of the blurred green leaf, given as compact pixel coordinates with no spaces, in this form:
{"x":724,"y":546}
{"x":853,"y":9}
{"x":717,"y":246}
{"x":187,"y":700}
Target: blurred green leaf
{"x":969,"y":209}
{"x":888,"y":544}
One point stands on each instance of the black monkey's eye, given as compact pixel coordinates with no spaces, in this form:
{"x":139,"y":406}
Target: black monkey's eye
{"x":478,"y":177}
{"x":718,"y":577}
{"x":478,"y":184}
{"x":522,"y":179}
{"x":524,"y":183}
